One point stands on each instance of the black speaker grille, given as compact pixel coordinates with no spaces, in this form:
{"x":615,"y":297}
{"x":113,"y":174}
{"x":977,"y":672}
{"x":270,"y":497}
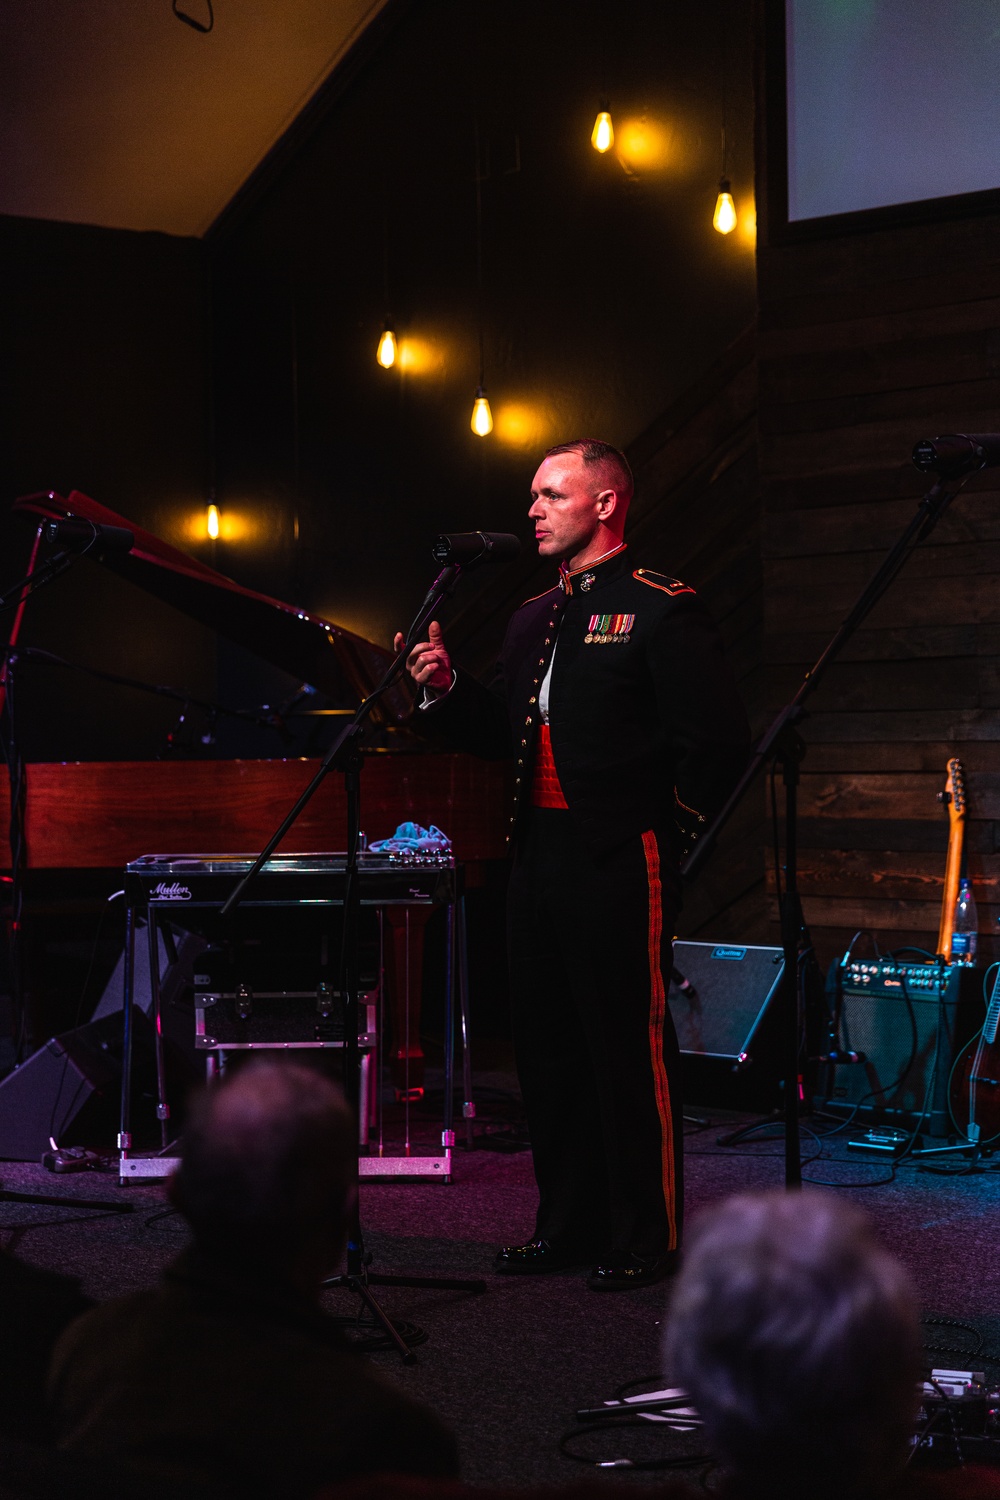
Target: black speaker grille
{"x":731,"y":988}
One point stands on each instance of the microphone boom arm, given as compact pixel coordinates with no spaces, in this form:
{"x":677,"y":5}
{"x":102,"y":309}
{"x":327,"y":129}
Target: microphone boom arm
{"x":929,"y":512}
{"x":346,"y":742}
{"x":782,"y":741}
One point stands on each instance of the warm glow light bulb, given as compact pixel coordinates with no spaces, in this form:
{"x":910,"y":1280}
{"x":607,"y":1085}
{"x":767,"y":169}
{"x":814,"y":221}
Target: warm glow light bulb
{"x":602,"y":137}
{"x":386,"y":355}
{"x":212,"y":522}
{"x":482,"y":417}
{"x":724,"y":218}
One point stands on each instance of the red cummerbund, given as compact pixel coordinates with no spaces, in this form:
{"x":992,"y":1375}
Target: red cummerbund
{"x":545,"y":788}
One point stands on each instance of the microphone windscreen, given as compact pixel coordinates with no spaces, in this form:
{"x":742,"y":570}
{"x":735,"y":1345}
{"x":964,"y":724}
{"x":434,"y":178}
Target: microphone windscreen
{"x":956,"y":453}
{"x":77,"y":534}
{"x":470,"y":549}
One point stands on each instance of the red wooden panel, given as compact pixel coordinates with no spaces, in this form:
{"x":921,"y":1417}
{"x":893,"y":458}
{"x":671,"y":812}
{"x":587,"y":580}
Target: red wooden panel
{"x":99,"y":814}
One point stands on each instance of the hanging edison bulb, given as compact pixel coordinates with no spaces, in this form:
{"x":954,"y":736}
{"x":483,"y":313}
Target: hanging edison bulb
{"x":482,"y":417}
{"x":602,"y":137}
{"x":386,"y":354}
{"x":724,"y":218}
{"x":212,"y":522}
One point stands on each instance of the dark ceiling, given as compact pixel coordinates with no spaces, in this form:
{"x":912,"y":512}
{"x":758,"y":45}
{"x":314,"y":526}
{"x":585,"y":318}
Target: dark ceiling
{"x":115,"y":112}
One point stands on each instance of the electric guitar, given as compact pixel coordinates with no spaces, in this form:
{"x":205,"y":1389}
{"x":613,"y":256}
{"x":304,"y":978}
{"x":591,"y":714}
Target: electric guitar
{"x":974,"y":1086}
{"x":954,"y":796}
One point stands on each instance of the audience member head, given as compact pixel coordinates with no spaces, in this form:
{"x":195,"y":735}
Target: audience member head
{"x":796,"y":1334}
{"x":266,"y":1179}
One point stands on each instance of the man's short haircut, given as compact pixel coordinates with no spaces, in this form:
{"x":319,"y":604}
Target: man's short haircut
{"x":796,"y":1335}
{"x":266,"y":1162}
{"x":611,"y":470}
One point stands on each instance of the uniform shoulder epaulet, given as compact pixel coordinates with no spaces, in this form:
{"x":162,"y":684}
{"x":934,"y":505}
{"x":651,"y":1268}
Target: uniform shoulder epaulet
{"x":553,"y":590}
{"x":662,"y":581}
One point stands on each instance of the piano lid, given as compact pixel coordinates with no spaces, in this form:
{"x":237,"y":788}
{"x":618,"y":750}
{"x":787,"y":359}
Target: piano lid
{"x":302,"y":644}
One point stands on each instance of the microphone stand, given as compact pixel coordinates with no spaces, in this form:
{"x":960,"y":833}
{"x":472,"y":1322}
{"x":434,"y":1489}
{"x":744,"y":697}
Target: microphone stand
{"x":35,"y":578}
{"x":345,"y":756}
{"x":783,"y":744}
{"x":263,"y":720}
{"x":17,"y":594}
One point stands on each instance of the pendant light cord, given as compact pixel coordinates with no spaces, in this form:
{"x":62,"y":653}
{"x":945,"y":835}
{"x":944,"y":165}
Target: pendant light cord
{"x":385,"y":258}
{"x":725,"y":91}
{"x":479,"y":255}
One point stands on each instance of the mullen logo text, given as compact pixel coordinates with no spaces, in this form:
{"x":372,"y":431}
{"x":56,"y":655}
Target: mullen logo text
{"x":175,"y":892}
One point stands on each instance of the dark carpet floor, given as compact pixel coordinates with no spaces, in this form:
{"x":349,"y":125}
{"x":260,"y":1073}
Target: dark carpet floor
{"x":509,"y":1368}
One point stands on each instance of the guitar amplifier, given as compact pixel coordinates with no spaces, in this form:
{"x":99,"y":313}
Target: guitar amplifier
{"x":906,"y":1021}
{"x":719,"y":996}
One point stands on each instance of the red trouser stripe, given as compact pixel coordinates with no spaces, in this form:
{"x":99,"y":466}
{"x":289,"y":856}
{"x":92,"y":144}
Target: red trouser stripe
{"x":657,"y":1014}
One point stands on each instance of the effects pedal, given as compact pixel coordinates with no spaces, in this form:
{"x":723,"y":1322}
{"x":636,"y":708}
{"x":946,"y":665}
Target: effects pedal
{"x":883,"y":1139}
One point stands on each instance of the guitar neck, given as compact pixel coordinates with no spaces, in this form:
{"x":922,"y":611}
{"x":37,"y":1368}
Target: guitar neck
{"x":992,"y":1014}
{"x":952,"y":869}
{"x":952,"y":872}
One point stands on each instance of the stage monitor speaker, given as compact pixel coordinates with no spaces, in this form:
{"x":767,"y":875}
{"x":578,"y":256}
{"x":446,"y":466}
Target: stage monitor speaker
{"x":70,"y":1089}
{"x":719,"y":996}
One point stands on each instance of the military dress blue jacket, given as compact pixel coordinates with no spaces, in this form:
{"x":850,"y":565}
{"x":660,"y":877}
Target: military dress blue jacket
{"x":648,"y":729}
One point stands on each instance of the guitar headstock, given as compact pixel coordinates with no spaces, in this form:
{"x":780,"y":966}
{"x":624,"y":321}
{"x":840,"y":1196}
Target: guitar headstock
{"x":954,"y":791}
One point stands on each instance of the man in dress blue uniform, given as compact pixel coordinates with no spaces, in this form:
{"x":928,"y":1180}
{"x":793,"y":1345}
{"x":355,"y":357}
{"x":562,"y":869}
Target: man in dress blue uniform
{"x":614,"y":699}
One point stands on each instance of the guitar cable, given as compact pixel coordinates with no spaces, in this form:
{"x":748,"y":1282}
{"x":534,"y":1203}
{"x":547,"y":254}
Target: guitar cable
{"x":885,"y":1089}
{"x":888,"y":1089}
{"x":975,"y":1163}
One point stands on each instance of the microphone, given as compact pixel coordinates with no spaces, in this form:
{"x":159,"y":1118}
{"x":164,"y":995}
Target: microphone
{"x":841,"y":1056}
{"x":957,"y":453}
{"x":472,"y":548}
{"x":79,"y":535}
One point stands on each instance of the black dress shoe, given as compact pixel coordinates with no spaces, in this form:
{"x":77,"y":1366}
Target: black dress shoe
{"x":633,"y":1271}
{"x":534,"y":1258}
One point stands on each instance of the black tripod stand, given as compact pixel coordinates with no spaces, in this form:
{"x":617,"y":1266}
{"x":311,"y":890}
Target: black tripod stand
{"x":345,"y":756}
{"x":17,"y":595}
{"x":783,"y":744}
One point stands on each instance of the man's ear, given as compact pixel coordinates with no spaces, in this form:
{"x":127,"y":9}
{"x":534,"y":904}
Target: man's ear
{"x":607,"y":504}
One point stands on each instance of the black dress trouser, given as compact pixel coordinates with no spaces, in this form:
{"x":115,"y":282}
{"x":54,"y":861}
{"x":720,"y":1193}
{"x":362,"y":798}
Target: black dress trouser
{"x":597,"y":1056}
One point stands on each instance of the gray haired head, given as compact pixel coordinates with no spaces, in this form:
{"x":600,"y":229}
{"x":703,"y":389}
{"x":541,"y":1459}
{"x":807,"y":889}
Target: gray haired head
{"x":796,"y":1334}
{"x":266,"y":1164}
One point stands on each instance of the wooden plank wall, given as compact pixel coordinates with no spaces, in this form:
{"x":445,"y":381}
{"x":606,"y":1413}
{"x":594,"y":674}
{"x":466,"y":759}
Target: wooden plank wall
{"x":867,"y":342}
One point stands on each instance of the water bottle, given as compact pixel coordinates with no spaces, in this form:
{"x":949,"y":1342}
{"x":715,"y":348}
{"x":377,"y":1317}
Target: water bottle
{"x":963,"y":937}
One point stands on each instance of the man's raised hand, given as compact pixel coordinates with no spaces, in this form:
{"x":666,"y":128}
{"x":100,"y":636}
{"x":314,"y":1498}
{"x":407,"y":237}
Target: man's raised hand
{"x":428,"y":663}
